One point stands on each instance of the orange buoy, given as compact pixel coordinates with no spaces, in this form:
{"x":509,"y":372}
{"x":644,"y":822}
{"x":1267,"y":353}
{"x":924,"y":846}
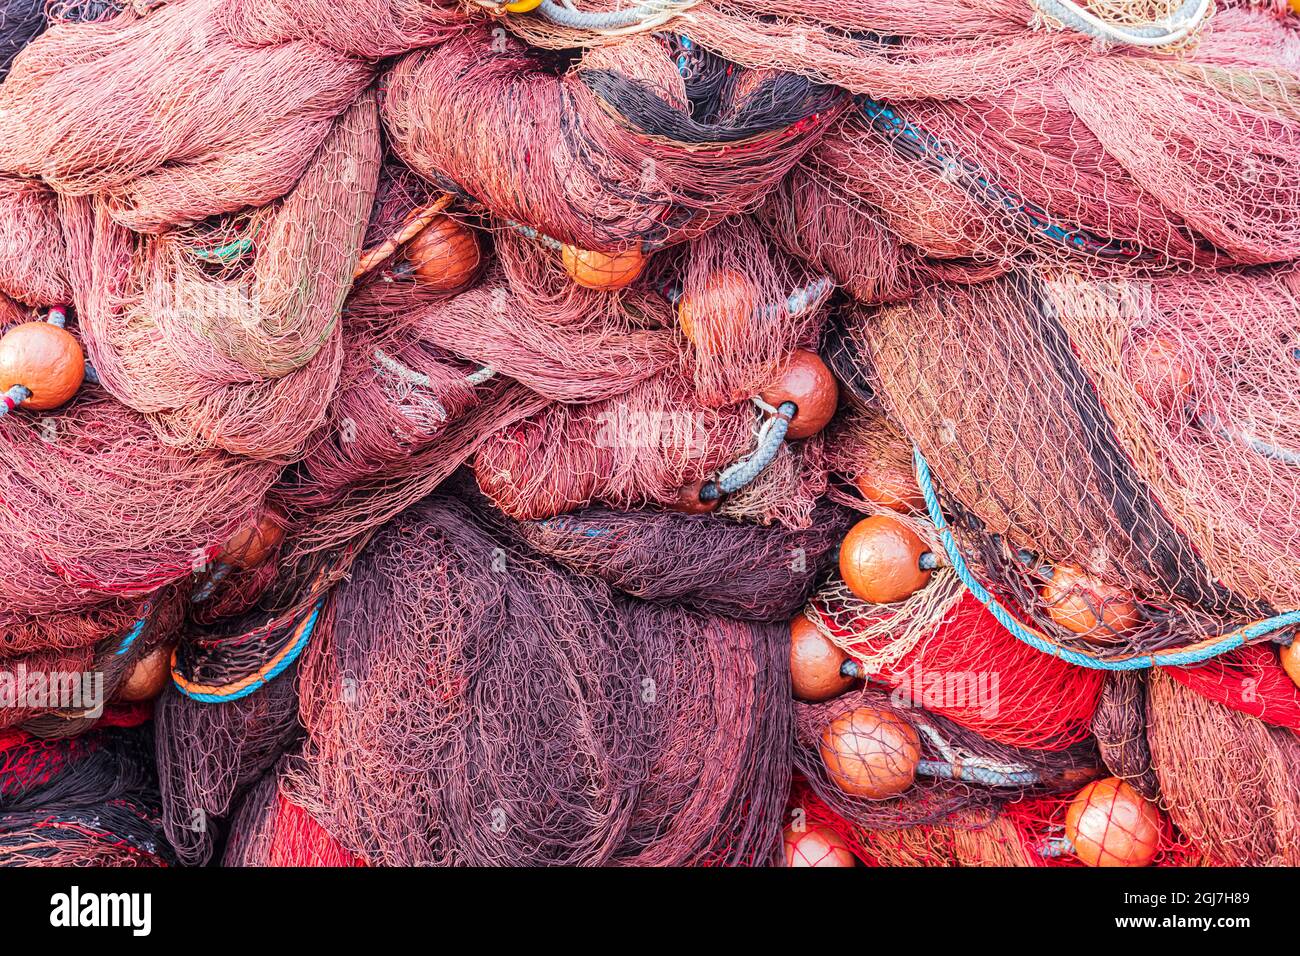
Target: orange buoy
{"x":809,"y":384}
{"x":1084,"y":605}
{"x":721,"y":311}
{"x":890,"y":487}
{"x":1109,"y":824}
{"x":689,"y":500}
{"x":604,"y":271}
{"x":253,"y":544}
{"x":871,"y":753}
{"x":815,"y":663}
{"x":44,"y":358}
{"x":148,"y":677}
{"x":882,"y":560}
{"x":1291,"y":660}
{"x":816,"y":845}
{"x":444,"y":255}
{"x":1160,"y":375}
{"x":521,"y":6}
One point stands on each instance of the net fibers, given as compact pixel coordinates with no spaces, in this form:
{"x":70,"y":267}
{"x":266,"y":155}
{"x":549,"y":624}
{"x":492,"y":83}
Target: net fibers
{"x":537,"y":718}
{"x":84,"y":801}
{"x":606,"y":155}
{"x":1229,"y":781}
{"x":1108,"y":428}
{"x":703,"y":562}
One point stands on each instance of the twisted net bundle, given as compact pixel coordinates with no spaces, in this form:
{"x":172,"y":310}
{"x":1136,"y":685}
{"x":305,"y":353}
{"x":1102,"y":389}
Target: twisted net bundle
{"x":703,"y":562}
{"x":235,"y":354}
{"x":606,"y":154}
{"x":33,"y":260}
{"x":165,"y":118}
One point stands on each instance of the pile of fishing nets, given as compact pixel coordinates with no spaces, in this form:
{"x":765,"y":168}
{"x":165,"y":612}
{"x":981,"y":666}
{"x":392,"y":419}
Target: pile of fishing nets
{"x":690,"y":432}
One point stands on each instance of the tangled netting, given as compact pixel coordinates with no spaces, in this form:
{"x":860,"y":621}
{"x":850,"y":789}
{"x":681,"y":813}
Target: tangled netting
{"x":1230,"y":782}
{"x":534,"y":741}
{"x":959,"y":772}
{"x":84,"y":801}
{"x":615,"y":434}
{"x":1148,"y":441}
{"x":702,"y":562}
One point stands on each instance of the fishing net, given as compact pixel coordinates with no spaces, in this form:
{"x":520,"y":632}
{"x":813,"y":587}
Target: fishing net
{"x":1120,"y":726}
{"x":227,"y":334}
{"x":703,"y":562}
{"x":271,"y":830}
{"x":1146,"y":446}
{"x":101,"y":515}
{"x":608,"y":155}
{"x":166,"y":119}
{"x":603,"y":773}
{"x":1230,"y":781}
{"x":943,"y":651}
{"x":232,"y":709}
{"x":887,"y":763}
{"x":364,"y":28}
{"x":476,"y":402}
{"x":86,"y":801}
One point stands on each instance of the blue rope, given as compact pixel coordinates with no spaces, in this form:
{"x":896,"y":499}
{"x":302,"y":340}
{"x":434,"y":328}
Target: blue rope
{"x":132,"y":635}
{"x":1005,"y":618}
{"x":271,"y":675}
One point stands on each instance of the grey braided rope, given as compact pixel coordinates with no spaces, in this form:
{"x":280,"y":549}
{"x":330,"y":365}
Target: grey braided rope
{"x":609,"y":19}
{"x":741,"y":473}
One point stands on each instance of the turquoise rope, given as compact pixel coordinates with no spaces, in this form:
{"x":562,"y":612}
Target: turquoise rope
{"x":230,"y":252}
{"x":132,"y":635}
{"x":1005,"y":618}
{"x":270,"y":675}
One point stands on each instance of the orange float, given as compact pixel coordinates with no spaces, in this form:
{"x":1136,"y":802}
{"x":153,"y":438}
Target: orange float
{"x":721,"y":311}
{"x":815,"y":663}
{"x":148,"y":677}
{"x":445,"y":255}
{"x":1290,"y":657}
{"x":883,"y":561}
{"x":809,"y":384}
{"x":689,"y":500}
{"x":1074,"y":599}
{"x":604,"y":271}
{"x":253,"y":544}
{"x":889,"y":487}
{"x":1109,"y":824}
{"x":817,"y":845}
{"x":871,"y":753}
{"x":45,"y":359}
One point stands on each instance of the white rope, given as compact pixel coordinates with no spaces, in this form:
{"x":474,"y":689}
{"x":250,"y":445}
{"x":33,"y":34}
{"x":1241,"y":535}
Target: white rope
{"x":1172,"y":29}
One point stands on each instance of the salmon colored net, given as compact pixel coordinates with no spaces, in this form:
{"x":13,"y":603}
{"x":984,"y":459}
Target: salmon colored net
{"x":466,"y":409}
